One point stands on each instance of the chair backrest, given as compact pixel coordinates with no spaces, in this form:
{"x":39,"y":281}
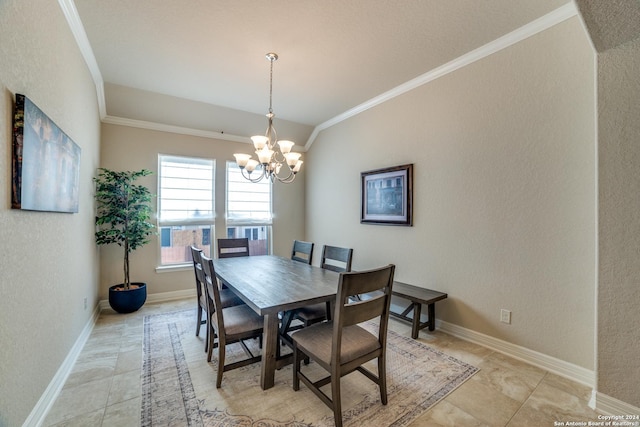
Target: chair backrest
{"x":336,"y":259}
{"x":302,"y":251}
{"x":196,"y":254}
{"x":348,"y":312}
{"x":213,"y":292}
{"x":229,"y":248}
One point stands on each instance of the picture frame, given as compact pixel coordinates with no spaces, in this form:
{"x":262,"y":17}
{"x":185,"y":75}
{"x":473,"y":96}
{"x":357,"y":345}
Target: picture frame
{"x":387,"y":196}
{"x":45,"y":162}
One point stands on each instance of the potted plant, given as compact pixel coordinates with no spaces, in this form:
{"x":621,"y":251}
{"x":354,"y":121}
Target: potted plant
{"x":123,"y":212}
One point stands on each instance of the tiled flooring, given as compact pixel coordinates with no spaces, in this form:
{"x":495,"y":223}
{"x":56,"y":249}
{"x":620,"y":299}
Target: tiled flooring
{"x":104,"y":388}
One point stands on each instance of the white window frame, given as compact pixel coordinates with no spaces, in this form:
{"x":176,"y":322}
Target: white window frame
{"x":235,"y":222}
{"x":206,"y":221}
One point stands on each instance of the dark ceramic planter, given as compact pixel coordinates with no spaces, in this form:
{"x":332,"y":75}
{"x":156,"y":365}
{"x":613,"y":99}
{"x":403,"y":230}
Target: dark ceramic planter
{"x":127,"y":301}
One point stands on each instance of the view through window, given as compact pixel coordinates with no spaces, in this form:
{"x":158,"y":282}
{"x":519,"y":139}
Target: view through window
{"x":186,"y":214}
{"x":249,"y":211}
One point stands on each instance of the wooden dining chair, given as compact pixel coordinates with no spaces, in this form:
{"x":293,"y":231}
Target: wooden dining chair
{"x":336,"y":258}
{"x":229,"y":248}
{"x":202,"y":301}
{"x":229,"y":324}
{"x":302,"y":251}
{"x":227,"y":297}
{"x":342,"y":346}
{"x":333,"y":258}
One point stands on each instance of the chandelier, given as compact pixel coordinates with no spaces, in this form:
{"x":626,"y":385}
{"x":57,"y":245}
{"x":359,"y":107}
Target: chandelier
{"x":270,"y":162}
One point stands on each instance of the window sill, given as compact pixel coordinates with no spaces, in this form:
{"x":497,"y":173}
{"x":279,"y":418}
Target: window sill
{"x":172,"y":268}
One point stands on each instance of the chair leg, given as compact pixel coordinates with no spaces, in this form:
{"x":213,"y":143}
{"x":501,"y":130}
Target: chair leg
{"x":328,"y":311}
{"x":221,"y":351}
{"x":207,"y":338}
{"x":306,"y":358}
{"x":382,"y":378}
{"x":336,"y":400}
{"x":198,"y":319}
{"x":212,"y":335}
{"x":296,"y":368}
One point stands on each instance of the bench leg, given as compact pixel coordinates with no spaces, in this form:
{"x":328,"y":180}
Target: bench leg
{"x":431,"y":308}
{"x":417,"y":308}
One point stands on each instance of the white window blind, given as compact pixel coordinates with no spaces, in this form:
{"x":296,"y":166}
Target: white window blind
{"x":247,"y":202}
{"x":186,"y":190}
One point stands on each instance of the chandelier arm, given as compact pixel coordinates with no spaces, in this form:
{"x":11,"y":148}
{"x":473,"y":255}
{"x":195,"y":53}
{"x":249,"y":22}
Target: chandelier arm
{"x":247,"y":176}
{"x":288,"y":180}
{"x":285,"y":180}
{"x":282,"y":160}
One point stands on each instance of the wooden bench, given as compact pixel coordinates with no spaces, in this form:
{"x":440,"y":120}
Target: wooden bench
{"x":417,"y":296}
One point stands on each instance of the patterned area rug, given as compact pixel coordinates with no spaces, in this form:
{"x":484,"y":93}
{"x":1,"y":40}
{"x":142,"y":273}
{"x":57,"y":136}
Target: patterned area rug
{"x":178,"y":385}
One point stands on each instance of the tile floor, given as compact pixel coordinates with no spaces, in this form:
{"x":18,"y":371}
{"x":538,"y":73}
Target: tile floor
{"x":104,"y":388}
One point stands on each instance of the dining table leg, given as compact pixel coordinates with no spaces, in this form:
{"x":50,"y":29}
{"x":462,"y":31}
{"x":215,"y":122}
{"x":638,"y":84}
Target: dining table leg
{"x":269,"y":347}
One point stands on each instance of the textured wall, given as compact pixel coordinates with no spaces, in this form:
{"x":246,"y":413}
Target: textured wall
{"x":48,"y":261}
{"x":610,"y":23}
{"x":619,"y":225}
{"x":505,"y":191}
{"x":127,"y":148}
{"x":614,"y":27}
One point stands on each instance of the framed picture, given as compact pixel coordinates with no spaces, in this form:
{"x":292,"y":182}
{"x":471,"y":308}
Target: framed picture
{"x":387,"y":196}
{"x":45,"y":162}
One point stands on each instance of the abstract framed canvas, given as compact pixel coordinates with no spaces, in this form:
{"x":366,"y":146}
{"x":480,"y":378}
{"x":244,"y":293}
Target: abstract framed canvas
{"x":45,"y":162}
{"x":387,"y":196}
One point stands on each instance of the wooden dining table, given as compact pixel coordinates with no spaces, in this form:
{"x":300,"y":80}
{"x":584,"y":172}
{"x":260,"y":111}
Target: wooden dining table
{"x":271,"y":284}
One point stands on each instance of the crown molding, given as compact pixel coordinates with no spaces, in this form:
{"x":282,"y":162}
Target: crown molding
{"x":75,"y":24}
{"x":555,"y":17}
{"x":161,"y":127}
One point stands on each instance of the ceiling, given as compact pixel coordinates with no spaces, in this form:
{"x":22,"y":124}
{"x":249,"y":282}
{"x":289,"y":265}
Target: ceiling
{"x":334,"y":54}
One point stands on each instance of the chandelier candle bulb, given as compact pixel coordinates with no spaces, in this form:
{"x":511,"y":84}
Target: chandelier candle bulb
{"x":251,"y":165}
{"x":259,"y":141}
{"x":242,"y":159}
{"x":285,"y":146}
{"x":292,"y":159}
{"x":264,"y":155}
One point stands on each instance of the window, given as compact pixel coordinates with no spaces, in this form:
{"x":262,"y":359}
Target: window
{"x":249,"y":210}
{"x":186,"y":211}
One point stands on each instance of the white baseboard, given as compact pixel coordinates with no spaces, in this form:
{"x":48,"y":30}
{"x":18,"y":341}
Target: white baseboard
{"x":158,"y":297}
{"x":600,"y":402}
{"x":608,"y":405}
{"x":604,"y":404}
{"x":560,"y":367}
{"x":40,"y":411}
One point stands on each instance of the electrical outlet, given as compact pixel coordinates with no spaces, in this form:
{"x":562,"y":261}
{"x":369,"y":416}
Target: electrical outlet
{"x":505,"y":316}
{"x":85,"y":303}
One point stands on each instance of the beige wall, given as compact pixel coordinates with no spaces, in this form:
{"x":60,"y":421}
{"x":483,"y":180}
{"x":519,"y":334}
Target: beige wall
{"x":48,"y":261}
{"x":129,"y":148}
{"x":505,"y":192}
{"x":619,"y":225}
{"x":505,"y":200}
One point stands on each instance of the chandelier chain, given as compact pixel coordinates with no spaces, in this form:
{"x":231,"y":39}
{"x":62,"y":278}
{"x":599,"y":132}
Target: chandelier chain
{"x":271,"y":87}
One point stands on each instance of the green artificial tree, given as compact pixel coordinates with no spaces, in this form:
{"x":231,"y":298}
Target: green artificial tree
{"x":123,"y":212}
